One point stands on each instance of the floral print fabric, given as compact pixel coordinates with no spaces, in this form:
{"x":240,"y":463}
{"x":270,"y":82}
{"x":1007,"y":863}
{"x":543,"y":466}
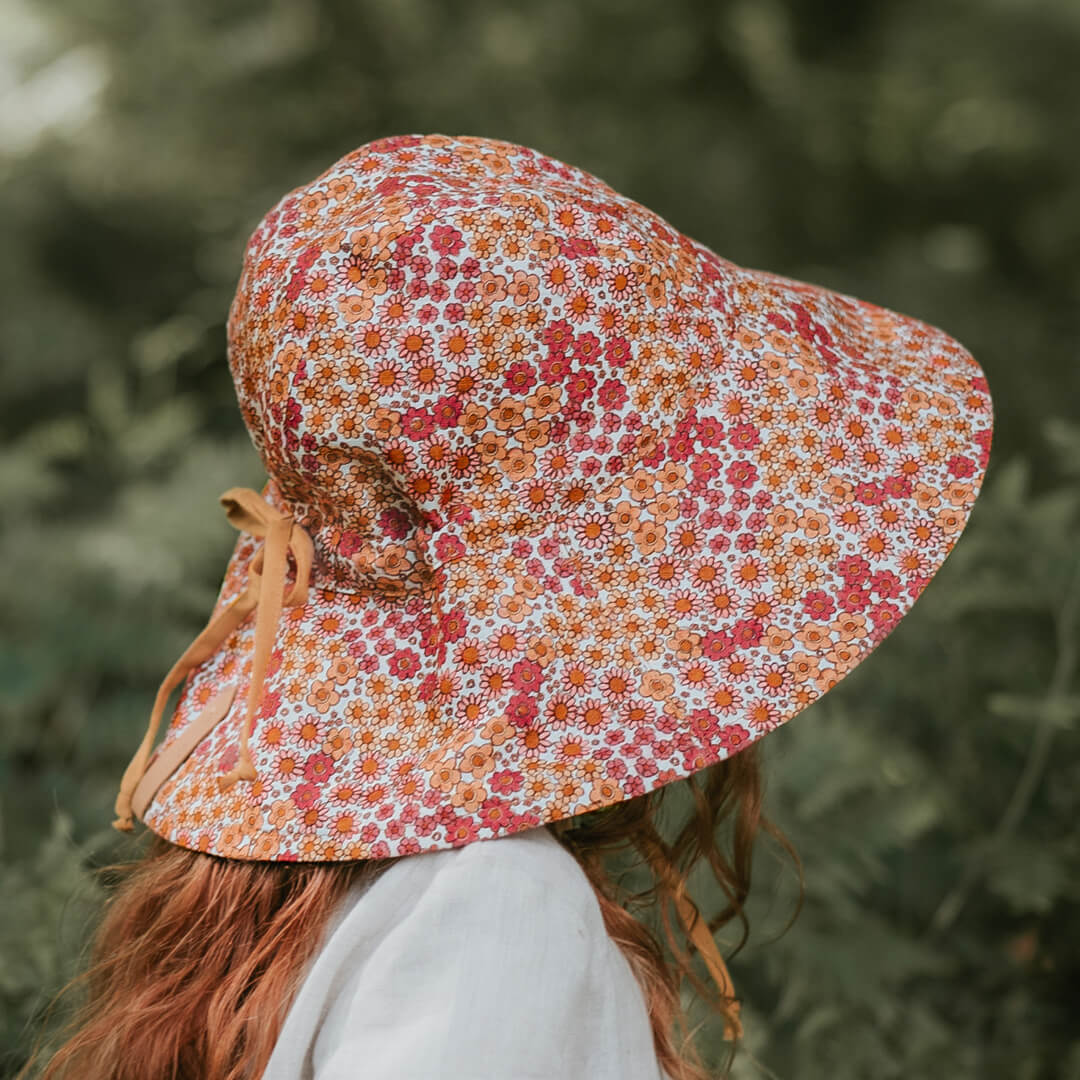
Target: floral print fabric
{"x":593,"y":507}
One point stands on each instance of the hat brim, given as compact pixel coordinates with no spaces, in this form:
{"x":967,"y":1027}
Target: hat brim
{"x":760,"y":554}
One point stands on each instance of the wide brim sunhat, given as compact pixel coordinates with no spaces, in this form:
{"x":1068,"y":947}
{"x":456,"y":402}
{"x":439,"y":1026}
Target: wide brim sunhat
{"x":561,"y":507}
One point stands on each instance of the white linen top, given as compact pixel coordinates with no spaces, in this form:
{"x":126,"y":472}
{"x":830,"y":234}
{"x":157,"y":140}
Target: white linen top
{"x":484,"y":962}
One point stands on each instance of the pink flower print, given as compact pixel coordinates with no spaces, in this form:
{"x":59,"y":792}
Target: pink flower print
{"x":579,"y":247}
{"x":445,"y":412}
{"x":617,"y":352}
{"x":586,"y":348}
{"x":305,"y":796}
{"x":506,"y":781}
{"x":732,"y":738}
{"x":520,"y":377}
{"x":718,"y":644}
{"x":447,"y":270}
{"x":580,"y":387}
{"x":558,"y":336}
{"x":446,"y":240}
{"x":318,"y":768}
{"x":612,"y":396}
{"x":744,"y":437}
{"x":885,"y":583}
{"x":884,"y":616}
{"x":706,"y":470}
{"x":961,"y":466}
{"x":404,"y":664}
{"x":593,"y":530}
{"x":465,"y":292}
{"x":495,"y":813}
{"x":853,"y":568}
{"x":748,"y":632}
{"x":774,"y":678}
{"x":741,"y":474}
{"x":896,"y":487}
{"x":868,"y":493}
{"x":818,"y":604}
{"x":461,"y":830}
{"x":555,"y":368}
{"x":525,"y":675}
{"x":854,"y":599}
{"x":417,"y":423}
{"x":521,"y":710}
{"x":559,"y":276}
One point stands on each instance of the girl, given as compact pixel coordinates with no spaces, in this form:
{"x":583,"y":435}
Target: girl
{"x":562,"y":507}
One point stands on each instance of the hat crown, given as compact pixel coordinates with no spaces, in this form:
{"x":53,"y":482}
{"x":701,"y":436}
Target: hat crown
{"x":463,"y":335}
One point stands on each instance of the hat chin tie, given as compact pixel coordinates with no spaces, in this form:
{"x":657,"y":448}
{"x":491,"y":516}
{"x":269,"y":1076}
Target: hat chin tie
{"x":251,"y":513}
{"x":700,"y":934}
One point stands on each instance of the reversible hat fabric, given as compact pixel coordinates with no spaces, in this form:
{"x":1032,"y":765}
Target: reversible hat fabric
{"x":561,"y":507}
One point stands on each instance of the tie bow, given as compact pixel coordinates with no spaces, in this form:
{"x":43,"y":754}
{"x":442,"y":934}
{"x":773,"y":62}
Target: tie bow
{"x":264,"y":593}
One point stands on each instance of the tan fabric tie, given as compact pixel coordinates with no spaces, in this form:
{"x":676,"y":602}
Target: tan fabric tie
{"x":251,"y":513}
{"x":698,"y":930}
{"x":702,"y":938}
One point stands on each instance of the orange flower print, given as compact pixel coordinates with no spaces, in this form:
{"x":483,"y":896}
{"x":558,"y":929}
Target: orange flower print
{"x":468,"y":795}
{"x":495,"y":730}
{"x":478,"y":762}
{"x":445,"y":777}
{"x":281,"y":813}
{"x":625,"y":517}
{"x":777,"y":640}
{"x":950,"y":520}
{"x":323,"y":696}
{"x":567,"y":793}
{"x":650,"y":537}
{"x":266,"y":846}
{"x":545,"y":401}
{"x":813,"y":524}
{"x":524,"y":288}
{"x":338,"y":743}
{"x":514,"y":607}
{"x":492,"y":287}
{"x":604,"y":792}
{"x":342,"y":671}
{"x":658,"y":685}
{"x":803,"y":666}
{"x":843,"y":656}
{"x":355,"y":308}
{"x":590,"y":506}
{"x":850,"y":626}
{"x":814,"y":637}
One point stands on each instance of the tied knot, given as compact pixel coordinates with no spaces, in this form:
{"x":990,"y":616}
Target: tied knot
{"x":264,"y":593}
{"x":395,"y":567}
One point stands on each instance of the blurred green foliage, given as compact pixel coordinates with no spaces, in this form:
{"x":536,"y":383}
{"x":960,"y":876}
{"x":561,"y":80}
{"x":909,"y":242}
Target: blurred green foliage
{"x":924,"y":155}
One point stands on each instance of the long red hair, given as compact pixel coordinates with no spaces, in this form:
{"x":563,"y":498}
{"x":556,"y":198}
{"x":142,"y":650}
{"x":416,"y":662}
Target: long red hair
{"x":197,"y":958}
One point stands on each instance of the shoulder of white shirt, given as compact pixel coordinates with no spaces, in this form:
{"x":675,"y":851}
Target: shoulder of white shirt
{"x":528,"y":869}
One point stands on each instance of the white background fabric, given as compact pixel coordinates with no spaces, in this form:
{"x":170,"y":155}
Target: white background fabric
{"x":486,"y":962}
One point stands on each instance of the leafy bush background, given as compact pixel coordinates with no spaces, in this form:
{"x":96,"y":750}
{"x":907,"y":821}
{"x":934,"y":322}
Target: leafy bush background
{"x":923,"y":154}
